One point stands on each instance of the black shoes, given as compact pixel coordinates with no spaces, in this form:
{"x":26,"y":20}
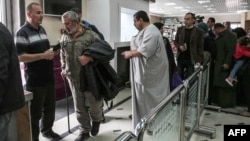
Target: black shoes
{"x":95,"y":128}
{"x":82,"y":136}
{"x":94,"y":131}
{"x":51,"y":135}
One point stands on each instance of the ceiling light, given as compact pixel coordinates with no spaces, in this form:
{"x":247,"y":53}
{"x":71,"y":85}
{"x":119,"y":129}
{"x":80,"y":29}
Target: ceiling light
{"x":178,"y":7}
{"x":159,"y":11}
{"x":203,"y":1}
{"x":169,"y":4}
{"x":241,"y":11}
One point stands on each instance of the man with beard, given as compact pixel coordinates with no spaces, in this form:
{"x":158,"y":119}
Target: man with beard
{"x":76,"y":38}
{"x":33,"y":49}
{"x":149,"y":68}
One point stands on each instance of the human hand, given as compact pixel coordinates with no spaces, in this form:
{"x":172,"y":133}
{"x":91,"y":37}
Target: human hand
{"x":183,"y":48}
{"x":225,"y":66}
{"x":57,"y":51}
{"x":48,"y":54}
{"x":127,"y":54}
{"x":63,"y":75}
{"x":197,"y":65}
{"x":84,"y":59}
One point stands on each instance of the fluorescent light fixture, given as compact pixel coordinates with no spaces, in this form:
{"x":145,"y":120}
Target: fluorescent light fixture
{"x":159,"y":11}
{"x":178,"y":7}
{"x":241,"y":11}
{"x":169,"y":4}
{"x":212,"y":9}
{"x":184,"y":10}
{"x":203,"y":1}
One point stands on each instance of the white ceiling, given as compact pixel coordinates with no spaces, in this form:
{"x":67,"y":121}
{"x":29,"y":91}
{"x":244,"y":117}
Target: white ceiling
{"x":168,"y":8}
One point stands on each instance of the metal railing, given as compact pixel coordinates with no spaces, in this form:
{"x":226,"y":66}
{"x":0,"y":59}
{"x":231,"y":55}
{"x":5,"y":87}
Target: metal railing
{"x":177,"y":117}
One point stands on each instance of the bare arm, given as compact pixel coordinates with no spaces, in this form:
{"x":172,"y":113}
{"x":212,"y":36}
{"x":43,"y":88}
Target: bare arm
{"x":26,"y":57}
{"x":132,"y":53}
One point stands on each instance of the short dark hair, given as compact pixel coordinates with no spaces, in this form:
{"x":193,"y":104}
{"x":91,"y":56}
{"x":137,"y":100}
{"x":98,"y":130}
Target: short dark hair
{"x":244,"y":41}
{"x":192,"y":15}
{"x":228,"y":23}
{"x":240,"y":32}
{"x":29,"y":7}
{"x":76,"y":10}
{"x":159,"y":25}
{"x":218,"y":25}
{"x":143,"y":15}
{"x":212,"y":19}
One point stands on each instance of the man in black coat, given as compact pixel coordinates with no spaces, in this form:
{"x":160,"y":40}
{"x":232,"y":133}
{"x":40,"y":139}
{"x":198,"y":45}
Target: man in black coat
{"x":11,"y":90}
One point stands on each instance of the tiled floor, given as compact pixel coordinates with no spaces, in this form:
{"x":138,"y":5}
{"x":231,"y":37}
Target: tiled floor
{"x":117,"y":121}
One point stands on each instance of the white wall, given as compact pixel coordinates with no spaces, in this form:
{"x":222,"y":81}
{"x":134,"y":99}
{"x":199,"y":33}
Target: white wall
{"x":105,"y":14}
{"x":225,"y":17}
{"x":219,"y":18}
{"x":127,"y":29}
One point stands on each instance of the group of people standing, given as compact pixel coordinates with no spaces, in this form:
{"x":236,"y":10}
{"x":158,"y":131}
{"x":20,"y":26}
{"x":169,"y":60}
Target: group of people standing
{"x":196,"y":44}
{"x":33,"y":48}
{"x":152,"y":66}
{"x":229,"y":54}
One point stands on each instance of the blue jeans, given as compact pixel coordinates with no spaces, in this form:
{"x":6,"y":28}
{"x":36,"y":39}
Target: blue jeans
{"x":236,"y":67}
{"x":4,"y":126}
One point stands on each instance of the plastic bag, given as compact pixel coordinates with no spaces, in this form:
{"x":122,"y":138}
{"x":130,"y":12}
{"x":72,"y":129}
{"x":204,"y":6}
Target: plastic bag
{"x":176,"y":80}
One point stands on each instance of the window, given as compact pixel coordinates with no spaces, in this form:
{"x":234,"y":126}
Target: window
{"x":235,"y":24}
{"x":5,"y":13}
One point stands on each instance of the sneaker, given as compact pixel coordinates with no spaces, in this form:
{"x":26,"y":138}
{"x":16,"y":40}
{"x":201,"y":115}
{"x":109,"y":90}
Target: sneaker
{"x":229,"y":81}
{"x":51,"y":135}
{"x":95,"y":128}
{"x":82,"y":136}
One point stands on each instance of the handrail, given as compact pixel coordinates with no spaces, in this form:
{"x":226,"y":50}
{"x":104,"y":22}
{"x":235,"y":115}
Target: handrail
{"x":194,"y":85}
{"x":125,"y":136}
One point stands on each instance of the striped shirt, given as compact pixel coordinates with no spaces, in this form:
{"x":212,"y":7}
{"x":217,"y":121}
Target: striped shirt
{"x":30,"y":40}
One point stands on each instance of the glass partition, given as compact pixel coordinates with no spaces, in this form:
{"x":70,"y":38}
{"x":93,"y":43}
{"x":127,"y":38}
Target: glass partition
{"x":164,"y":122}
{"x":177,"y":116}
{"x":191,"y":109}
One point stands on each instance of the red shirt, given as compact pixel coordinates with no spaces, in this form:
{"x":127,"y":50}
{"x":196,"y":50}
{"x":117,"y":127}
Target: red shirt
{"x":241,"y":51}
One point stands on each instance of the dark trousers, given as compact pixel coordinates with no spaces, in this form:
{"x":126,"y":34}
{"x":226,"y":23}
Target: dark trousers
{"x":185,"y":68}
{"x":225,"y":97}
{"x":243,"y":90}
{"x":42,"y":108}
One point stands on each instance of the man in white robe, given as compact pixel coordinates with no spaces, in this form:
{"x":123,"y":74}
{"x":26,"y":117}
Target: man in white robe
{"x":148,"y":68}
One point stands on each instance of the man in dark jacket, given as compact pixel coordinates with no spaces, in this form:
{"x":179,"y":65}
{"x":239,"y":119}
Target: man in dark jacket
{"x":11,"y":90}
{"x":224,"y":95}
{"x":189,"y":41}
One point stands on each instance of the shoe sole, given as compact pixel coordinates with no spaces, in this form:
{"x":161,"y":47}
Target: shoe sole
{"x":228,"y":82}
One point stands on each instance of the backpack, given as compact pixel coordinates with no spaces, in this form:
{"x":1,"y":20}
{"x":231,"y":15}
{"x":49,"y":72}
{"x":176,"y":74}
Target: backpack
{"x":94,"y":28}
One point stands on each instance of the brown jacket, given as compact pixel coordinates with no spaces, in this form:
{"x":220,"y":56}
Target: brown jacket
{"x":196,"y":43}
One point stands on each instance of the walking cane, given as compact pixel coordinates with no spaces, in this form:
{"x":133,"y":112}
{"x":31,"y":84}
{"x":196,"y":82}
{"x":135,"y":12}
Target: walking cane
{"x":67,"y":103}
